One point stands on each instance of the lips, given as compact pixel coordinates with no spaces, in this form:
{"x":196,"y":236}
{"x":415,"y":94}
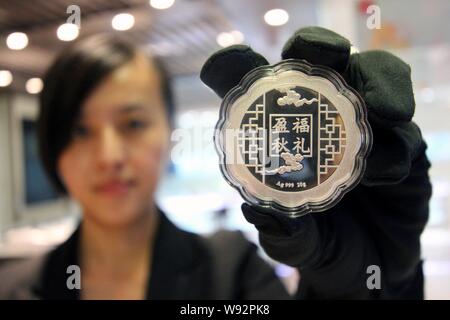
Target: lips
{"x":115,"y":188}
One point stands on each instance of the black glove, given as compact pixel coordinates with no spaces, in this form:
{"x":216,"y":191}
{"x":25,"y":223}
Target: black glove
{"x":382,"y":218}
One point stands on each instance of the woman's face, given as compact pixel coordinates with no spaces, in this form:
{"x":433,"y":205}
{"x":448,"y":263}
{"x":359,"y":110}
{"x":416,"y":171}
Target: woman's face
{"x":119,"y":146}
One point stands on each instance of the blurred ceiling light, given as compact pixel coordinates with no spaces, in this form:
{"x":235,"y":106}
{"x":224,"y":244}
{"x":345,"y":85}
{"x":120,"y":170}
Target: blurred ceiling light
{"x":161,"y":4}
{"x":34,"y":85}
{"x":17,"y":41}
{"x":276,"y":17}
{"x":225,"y":39}
{"x":123,"y":21}
{"x":238,"y":36}
{"x":67,"y":32}
{"x":5,"y":78}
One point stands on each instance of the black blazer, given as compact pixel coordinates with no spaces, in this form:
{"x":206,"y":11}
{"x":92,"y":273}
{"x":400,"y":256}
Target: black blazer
{"x":185,"y":266}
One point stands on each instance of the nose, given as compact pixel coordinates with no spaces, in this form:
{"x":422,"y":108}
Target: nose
{"x":110,"y":149}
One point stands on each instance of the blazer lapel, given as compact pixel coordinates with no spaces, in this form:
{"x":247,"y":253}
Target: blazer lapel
{"x":179,"y":267}
{"x":54,"y":277}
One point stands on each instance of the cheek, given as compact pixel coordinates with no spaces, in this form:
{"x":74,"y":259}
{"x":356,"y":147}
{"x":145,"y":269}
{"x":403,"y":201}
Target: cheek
{"x":72,"y":171}
{"x":150,"y":160}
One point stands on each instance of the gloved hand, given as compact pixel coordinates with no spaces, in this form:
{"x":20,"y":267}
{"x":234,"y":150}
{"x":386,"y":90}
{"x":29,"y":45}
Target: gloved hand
{"x":332,"y":249}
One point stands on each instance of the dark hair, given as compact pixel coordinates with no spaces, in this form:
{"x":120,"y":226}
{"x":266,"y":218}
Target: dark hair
{"x":68,"y":82}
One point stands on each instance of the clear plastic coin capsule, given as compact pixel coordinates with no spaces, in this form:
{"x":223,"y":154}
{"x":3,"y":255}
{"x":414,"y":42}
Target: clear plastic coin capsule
{"x":293,"y":137}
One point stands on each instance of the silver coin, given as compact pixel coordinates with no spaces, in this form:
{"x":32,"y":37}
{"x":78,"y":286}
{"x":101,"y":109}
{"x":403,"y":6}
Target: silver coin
{"x":293,"y":137}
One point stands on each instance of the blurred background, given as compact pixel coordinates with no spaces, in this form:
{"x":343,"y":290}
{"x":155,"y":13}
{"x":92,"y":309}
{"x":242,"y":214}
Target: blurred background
{"x":184,"y":33}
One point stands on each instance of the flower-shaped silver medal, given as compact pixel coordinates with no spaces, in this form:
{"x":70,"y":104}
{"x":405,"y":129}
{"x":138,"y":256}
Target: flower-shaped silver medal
{"x":293,"y":137}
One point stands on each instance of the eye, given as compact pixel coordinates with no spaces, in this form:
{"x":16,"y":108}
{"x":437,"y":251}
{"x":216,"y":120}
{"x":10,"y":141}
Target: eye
{"x":136,"y":124}
{"x":80,"y":131}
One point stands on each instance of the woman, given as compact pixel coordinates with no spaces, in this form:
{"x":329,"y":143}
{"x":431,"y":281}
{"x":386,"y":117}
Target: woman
{"x":106,"y":114}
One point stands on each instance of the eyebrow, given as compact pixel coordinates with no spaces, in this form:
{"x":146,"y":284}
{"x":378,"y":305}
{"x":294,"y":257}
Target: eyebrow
{"x":126,"y":109}
{"x":130,"y":108}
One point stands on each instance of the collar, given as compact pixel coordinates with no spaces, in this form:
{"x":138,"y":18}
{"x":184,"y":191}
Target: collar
{"x":178,"y":264}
